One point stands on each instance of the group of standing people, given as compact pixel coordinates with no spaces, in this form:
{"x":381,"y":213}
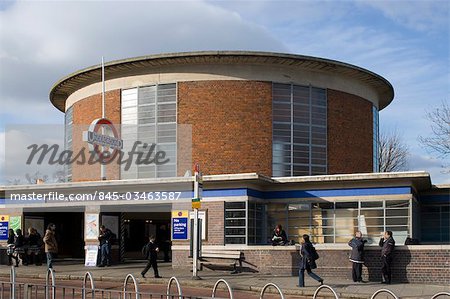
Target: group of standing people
{"x":26,"y":248}
{"x":29,"y":248}
{"x":387,"y":244}
{"x":308,"y":255}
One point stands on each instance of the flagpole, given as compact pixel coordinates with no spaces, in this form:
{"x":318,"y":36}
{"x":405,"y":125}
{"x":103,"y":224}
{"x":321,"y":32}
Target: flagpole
{"x":103,"y":166}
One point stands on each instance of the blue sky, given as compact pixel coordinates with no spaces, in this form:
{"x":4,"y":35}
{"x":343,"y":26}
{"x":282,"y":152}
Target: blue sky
{"x":407,"y":42}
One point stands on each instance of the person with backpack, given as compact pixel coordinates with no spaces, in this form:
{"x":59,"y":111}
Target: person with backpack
{"x":357,"y":256}
{"x":150,"y":253}
{"x":105,"y":239}
{"x":308,"y":257}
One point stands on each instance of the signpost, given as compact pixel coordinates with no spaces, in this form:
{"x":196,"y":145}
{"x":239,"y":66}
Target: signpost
{"x":4,"y":225}
{"x":196,"y":204}
{"x":179,"y":225}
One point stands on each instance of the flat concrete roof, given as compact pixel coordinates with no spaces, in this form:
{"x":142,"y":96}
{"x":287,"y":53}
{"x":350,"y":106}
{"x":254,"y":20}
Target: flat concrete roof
{"x":62,"y":89}
{"x":419,"y":179}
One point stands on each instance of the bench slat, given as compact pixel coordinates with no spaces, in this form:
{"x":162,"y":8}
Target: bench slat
{"x":223,"y":256}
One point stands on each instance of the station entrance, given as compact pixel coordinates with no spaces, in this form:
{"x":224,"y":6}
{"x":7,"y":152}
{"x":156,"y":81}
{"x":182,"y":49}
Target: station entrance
{"x":139,"y":226}
{"x":69,"y":230}
{"x":131,"y":227}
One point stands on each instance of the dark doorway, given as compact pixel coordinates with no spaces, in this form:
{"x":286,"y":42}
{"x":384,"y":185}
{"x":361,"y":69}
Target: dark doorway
{"x":69,"y":230}
{"x":139,"y":226}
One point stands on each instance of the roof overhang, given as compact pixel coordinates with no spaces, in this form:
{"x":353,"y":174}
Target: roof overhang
{"x":62,"y":89}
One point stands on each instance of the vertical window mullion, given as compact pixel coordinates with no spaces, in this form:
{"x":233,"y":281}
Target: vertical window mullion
{"x":292,"y":130}
{"x":310,"y":129}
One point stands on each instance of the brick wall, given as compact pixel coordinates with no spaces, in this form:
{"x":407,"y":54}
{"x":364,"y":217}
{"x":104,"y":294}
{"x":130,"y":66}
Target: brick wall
{"x":350,"y":133}
{"x":84,"y":112}
{"x":231,"y":124}
{"x":410,"y":263}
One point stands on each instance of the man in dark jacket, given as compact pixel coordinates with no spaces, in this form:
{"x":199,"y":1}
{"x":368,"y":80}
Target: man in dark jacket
{"x":387,"y":245}
{"x":151,"y":252}
{"x":357,"y":256}
{"x":105,"y":239}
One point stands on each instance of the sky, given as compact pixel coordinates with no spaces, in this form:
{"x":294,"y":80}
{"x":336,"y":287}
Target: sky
{"x":406,"y":42}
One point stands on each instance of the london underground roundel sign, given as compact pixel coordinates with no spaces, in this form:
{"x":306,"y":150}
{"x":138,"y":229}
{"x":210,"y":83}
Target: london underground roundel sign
{"x":103,"y":139}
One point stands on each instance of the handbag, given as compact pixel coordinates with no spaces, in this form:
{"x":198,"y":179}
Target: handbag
{"x":312,"y":264}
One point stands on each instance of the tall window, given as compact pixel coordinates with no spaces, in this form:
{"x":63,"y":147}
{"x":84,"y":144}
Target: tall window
{"x":376,"y":166}
{"x":435,"y":223}
{"x":235,"y":222}
{"x":68,"y":128}
{"x":299,"y":123}
{"x":149,"y":115}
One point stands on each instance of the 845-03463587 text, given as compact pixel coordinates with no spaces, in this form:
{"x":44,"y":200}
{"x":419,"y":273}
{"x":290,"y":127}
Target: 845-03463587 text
{"x":53,"y":196}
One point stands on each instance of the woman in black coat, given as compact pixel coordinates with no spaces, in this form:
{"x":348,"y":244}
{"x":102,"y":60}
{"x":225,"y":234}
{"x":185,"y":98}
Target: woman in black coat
{"x":307,"y":259}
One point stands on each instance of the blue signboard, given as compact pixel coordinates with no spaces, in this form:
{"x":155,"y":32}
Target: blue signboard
{"x":4,"y":230}
{"x":180,"y":228}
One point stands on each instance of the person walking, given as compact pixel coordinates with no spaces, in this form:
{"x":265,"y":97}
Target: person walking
{"x":308,"y":256}
{"x":387,"y":244}
{"x":150,"y":252}
{"x":51,"y":246}
{"x":357,"y":256}
{"x":105,"y":239}
{"x":10,"y":248}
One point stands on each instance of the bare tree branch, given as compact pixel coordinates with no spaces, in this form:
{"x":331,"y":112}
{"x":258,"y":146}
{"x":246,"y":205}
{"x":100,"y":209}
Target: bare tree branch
{"x":439,"y":141}
{"x":392,"y":152}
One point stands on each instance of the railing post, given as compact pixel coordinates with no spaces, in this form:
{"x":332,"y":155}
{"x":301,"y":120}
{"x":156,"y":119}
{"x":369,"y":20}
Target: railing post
{"x":384,"y":291}
{"x":230,"y":291}
{"x":12,"y":280}
{"x":169,"y":284}
{"x":51,"y":274}
{"x":136,"y":287}
{"x":270,"y":285}
{"x":91,"y":279}
{"x":325,"y":287}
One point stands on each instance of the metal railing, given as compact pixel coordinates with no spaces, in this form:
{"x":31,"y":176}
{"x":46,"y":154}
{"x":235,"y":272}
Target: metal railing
{"x":51,"y":290}
{"x":169,"y":284}
{"x":435,"y":296}
{"x":230,"y":291}
{"x":384,"y":291}
{"x":264,"y":289}
{"x":325,"y":287}
{"x":91,"y":279}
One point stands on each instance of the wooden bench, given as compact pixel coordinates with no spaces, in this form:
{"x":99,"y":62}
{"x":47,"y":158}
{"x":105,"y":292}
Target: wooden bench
{"x":236,"y":256}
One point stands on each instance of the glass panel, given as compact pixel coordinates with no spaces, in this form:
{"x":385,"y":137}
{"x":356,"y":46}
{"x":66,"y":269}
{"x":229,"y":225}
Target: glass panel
{"x":397,"y":204}
{"x":371,"y":204}
{"x":397,"y":212}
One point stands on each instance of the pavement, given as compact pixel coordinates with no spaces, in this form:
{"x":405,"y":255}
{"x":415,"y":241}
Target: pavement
{"x":344,"y":288}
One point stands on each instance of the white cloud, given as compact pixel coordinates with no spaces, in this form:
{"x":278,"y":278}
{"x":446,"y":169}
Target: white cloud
{"x":419,"y":15}
{"x":2,"y":157}
{"x":44,"y":41}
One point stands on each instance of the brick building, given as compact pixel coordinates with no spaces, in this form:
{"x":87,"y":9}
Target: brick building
{"x":281,"y":139}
